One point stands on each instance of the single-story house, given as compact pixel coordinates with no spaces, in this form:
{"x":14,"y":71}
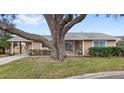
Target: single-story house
{"x":73,"y":43}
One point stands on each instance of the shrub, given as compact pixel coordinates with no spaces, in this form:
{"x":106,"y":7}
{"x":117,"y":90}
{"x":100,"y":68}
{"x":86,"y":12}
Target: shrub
{"x":46,"y":51}
{"x":106,"y":51}
{"x":37,"y":52}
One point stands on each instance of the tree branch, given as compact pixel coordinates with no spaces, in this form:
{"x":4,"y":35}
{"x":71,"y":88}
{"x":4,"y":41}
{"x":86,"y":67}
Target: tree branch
{"x":73,"y":22}
{"x":67,"y":19}
{"x":9,"y":29}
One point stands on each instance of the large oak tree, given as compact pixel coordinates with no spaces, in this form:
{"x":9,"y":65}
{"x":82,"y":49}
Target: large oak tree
{"x":59,"y":25}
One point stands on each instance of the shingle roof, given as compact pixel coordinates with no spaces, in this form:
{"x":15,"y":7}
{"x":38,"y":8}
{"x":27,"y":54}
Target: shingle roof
{"x":89,"y":36}
{"x":86,"y":36}
{"x":75,"y":36}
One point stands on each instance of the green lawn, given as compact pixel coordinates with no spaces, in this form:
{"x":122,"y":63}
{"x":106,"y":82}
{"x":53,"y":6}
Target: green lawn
{"x":43,"y":67}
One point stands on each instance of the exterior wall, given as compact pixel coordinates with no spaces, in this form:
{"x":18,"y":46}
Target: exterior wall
{"x":28,"y":47}
{"x":36,"y":45}
{"x":111,"y":43}
{"x":87,"y":44}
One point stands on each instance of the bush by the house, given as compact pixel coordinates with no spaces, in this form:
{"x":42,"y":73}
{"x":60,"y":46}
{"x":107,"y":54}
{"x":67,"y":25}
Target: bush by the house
{"x":106,"y":51}
{"x":46,"y":51}
{"x":37,"y":52}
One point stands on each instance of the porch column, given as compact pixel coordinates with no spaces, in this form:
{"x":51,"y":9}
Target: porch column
{"x":74,"y":47}
{"x":12,"y":50}
{"x":20,"y":48}
{"x":83,"y":47}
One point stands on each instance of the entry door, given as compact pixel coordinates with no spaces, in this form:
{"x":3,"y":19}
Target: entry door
{"x":78,"y":47}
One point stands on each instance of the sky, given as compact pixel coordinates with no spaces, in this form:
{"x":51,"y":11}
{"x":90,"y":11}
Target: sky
{"x":35,"y":23}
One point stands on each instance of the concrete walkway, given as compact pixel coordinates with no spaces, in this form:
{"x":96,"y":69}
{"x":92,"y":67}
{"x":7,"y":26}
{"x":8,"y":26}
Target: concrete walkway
{"x":8,"y":59}
{"x":100,"y":75}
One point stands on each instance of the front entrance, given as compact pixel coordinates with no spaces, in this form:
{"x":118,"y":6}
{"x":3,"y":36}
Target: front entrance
{"x":69,"y":47}
{"x":17,"y":47}
{"x":78,"y":47}
{"x":20,"y":47}
{"x":74,"y":47}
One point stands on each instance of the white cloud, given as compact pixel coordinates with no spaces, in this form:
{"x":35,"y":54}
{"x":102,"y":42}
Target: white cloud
{"x":30,"y":19}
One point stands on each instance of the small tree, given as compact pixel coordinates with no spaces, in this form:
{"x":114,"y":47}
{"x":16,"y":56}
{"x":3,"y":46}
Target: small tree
{"x":4,"y":36}
{"x":4,"y":44}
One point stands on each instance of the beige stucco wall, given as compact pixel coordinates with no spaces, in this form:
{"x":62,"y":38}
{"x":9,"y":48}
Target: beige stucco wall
{"x":36,"y":45}
{"x":111,"y":43}
{"x":87,"y":44}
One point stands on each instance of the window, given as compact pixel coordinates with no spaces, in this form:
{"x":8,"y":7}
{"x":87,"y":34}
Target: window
{"x":99,"y":43}
{"x":69,"y":46}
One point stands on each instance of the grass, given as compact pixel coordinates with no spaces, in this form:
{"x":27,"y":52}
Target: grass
{"x":43,"y":67}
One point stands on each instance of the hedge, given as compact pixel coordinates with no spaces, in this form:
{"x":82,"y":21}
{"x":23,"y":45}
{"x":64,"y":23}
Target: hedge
{"x":106,"y":51}
{"x":37,"y":52}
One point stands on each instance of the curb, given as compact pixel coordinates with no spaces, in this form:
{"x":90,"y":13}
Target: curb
{"x":96,"y":75}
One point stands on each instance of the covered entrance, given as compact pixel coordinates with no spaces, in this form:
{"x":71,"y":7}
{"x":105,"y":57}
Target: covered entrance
{"x":74,"y":47}
{"x":79,"y":47}
{"x":19,"y":45}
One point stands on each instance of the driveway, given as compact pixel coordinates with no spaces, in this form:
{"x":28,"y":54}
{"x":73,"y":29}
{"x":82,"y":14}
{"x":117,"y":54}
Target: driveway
{"x":8,"y":59}
{"x":101,"y":75}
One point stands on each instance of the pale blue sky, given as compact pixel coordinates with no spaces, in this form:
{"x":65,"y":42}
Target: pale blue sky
{"x":36,"y":24}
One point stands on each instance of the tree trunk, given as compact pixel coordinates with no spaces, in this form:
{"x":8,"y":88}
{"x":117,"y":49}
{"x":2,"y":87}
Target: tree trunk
{"x":58,"y":41}
{"x":61,"y":47}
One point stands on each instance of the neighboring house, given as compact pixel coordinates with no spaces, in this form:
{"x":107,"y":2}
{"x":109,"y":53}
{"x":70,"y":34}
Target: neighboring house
{"x":74,"y":43}
{"x":120,"y":37}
